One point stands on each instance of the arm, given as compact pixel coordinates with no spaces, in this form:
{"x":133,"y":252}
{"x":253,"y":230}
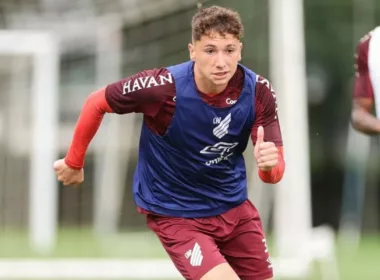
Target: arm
{"x":362,"y":118}
{"x":271,"y":163}
{"x":139,"y":93}
{"x":69,"y":170}
{"x":87,"y":125}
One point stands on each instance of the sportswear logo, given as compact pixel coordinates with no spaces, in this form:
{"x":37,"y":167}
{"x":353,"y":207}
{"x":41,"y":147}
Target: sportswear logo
{"x":136,"y":84}
{"x":223,"y":149}
{"x":222,"y":128}
{"x":230,"y":101}
{"x":195,"y":255}
{"x":219,"y":148}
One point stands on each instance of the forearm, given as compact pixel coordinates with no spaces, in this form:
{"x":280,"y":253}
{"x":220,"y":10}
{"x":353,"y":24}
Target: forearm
{"x":365,"y":122}
{"x":87,"y":125}
{"x":274,"y":175}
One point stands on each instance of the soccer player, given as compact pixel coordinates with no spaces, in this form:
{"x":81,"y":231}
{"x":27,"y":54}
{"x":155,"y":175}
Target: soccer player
{"x":367,"y":85}
{"x":190,"y":179}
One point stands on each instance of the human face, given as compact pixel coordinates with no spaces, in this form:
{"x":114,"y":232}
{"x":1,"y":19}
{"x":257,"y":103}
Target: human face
{"x":216,"y":59}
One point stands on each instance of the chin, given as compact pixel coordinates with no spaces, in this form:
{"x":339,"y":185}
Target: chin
{"x":220,"y":82}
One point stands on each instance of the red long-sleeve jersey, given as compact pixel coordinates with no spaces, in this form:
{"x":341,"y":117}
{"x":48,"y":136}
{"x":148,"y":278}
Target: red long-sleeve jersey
{"x":149,"y":93}
{"x":363,"y":85}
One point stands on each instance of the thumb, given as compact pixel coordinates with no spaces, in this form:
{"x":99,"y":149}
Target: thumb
{"x":260,"y":135}
{"x":57,"y":165}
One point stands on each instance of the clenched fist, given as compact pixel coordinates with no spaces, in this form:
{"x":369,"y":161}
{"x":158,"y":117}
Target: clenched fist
{"x":266,"y":153}
{"x":67,"y":175}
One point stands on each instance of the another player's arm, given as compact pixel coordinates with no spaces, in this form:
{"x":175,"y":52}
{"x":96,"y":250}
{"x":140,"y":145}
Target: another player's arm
{"x":362,"y":117}
{"x":138,"y":93}
{"x":266,"y":134}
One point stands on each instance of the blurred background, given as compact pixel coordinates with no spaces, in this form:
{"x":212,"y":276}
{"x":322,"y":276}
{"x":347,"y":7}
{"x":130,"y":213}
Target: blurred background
{"x":71,"y":48}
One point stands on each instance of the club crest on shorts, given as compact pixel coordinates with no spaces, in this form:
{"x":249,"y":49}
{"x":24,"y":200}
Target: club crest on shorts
{"x":195,"y":255}
{"x":188,"y":254}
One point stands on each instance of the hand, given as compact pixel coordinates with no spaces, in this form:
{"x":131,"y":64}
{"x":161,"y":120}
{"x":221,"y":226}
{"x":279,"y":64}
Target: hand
{"x":266,"y":153}
{"x":67,"y":175}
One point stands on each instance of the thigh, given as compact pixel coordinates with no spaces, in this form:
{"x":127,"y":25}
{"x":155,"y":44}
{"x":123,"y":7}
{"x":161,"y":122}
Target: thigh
{"x":246,"y":248}
{"x":193,"y":252}
{"x":223,"y":271}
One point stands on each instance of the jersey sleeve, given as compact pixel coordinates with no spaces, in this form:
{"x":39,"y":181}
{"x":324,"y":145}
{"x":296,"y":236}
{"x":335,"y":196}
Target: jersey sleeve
{"x":267,"y":117}
{"x":144,"y":92}
{"x":266,"y":113}
{"x":87,"y":125}
{"x":362,"y":87}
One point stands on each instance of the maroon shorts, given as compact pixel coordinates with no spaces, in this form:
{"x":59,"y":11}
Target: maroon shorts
{"x":197,"y":245}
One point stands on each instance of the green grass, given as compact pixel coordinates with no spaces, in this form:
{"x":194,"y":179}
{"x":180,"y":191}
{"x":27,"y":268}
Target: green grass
{"x":362,"y":265}
{"x":84,"y":244}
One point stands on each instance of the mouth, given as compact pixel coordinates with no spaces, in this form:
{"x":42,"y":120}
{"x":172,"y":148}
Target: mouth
{"x":220,"y":74}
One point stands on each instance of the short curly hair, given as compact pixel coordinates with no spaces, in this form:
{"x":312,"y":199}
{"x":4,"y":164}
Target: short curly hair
{"x":218,"y":19}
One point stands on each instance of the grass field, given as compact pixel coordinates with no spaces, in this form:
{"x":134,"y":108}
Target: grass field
{"x":363,"y":264}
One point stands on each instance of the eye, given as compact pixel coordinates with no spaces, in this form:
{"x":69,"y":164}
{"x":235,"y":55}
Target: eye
{"x":209,"y":51}
{"x":230,"y":51}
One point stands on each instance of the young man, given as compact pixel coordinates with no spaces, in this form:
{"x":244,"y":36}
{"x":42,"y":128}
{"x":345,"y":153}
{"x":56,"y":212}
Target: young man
{"x":190,"y":179}
{"x":367,"y":85}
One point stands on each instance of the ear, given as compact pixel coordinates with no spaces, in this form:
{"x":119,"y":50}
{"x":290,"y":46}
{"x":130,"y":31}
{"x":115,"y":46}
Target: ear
{"x":191,"y":51}
{"x":241,"y":48}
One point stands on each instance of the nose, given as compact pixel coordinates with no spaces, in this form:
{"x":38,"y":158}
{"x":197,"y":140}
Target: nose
{"x":220,"y":61}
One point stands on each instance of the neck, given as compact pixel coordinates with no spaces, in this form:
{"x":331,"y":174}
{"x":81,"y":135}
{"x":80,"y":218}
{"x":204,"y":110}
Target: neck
{"x":204,"y":85}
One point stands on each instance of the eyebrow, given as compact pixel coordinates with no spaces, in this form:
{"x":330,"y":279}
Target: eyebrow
{"x":228,"y":46}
